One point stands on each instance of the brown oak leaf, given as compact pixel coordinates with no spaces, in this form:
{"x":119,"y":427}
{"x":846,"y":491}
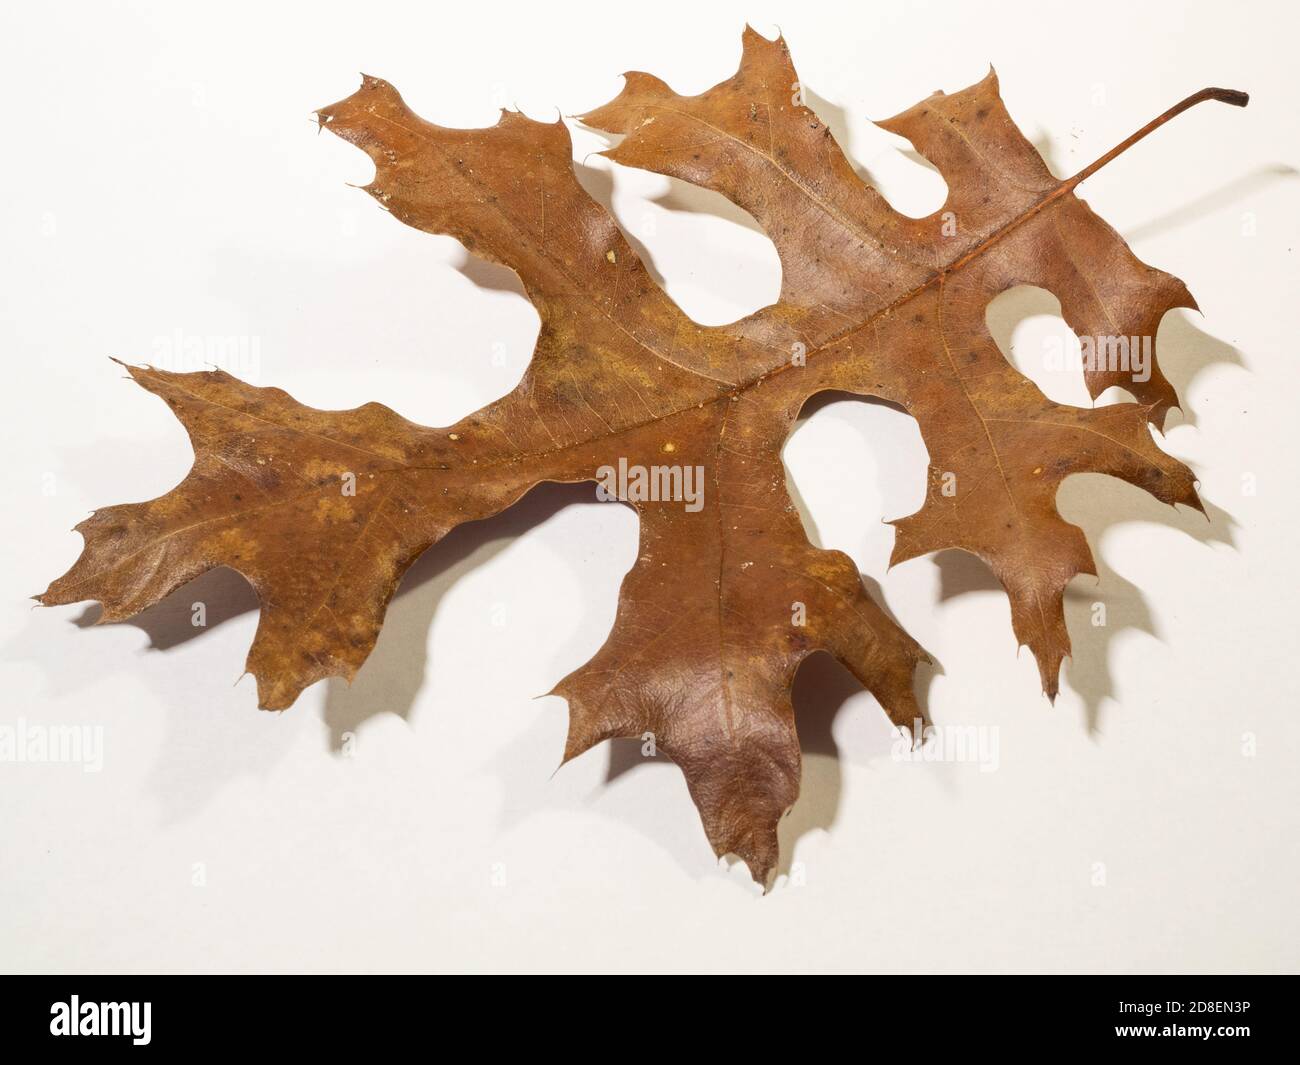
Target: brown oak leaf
{"x":323,"y":511}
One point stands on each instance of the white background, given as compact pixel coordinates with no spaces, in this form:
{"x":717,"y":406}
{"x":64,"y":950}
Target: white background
{"x":163,"y":175}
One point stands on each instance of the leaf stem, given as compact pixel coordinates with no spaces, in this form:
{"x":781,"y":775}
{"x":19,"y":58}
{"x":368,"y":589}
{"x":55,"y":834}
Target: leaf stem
{"x":1227,"y":96}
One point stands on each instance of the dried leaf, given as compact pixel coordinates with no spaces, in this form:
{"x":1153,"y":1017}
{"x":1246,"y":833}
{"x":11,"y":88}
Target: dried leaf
{"x":323,"y":511}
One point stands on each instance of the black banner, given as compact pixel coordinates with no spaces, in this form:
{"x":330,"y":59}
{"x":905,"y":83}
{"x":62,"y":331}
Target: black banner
{"x":141,"y":1014}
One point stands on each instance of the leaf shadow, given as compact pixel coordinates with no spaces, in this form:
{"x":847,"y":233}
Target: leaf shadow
{"x":1098,"y":503}
{"x":599,"y":185}
{"x":487,"y":275}
{"x":836,"y":118}
{"x":1095,"y":502}
{"x":1215,"y":200}
{"x":223,"y":593}
{"x":394,"y":675}
{"x":680,"y":197}
{"x":395,"y":672}
{"x":208,"y":736}
{"x":1182,"y":349}
{"x":822,"y":686}
{"x":822,"y":690}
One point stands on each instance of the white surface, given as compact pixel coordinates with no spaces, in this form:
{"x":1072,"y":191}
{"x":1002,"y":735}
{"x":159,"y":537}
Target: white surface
{"x":162,"y":173}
